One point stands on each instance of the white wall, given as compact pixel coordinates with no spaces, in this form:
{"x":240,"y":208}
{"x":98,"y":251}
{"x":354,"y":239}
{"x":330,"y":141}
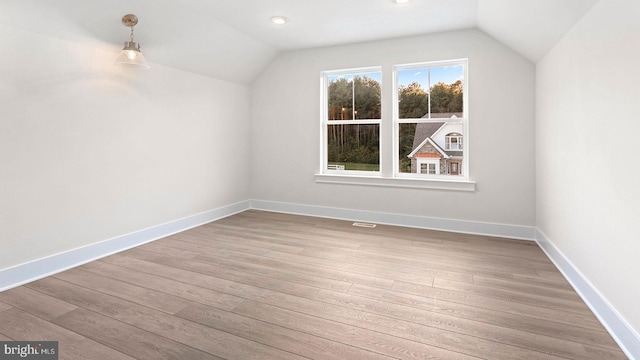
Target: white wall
{"x":90,"y":150}
{"x":588,"y":194}
{"x":286,"y":130}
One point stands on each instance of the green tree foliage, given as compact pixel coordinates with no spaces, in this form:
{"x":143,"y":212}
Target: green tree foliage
{"x":360,"y":91}
{"x":406,"y":134}
{"x":354,"y":98}
{"x":340,"y":100}
{"x":413,"y":101}
{"x":354,"y":144}
{"x":367,"y":94}
{"x":446,"y":98}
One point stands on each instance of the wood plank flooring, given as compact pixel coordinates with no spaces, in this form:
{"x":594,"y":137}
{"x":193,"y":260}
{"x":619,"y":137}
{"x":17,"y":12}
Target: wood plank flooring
{"x":261,"y":285}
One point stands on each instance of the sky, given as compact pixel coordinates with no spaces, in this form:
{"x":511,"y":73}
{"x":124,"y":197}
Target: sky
{"x":377,"y":76}
{"x":446,"y":74}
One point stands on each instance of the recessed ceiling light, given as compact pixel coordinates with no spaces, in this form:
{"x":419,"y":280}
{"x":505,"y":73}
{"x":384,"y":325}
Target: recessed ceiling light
{"x":401,"y":1}
{"x":279,"y":20}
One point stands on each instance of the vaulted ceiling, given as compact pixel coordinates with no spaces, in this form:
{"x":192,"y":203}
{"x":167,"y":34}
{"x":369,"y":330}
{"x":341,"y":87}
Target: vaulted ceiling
{"x":235,"y":40}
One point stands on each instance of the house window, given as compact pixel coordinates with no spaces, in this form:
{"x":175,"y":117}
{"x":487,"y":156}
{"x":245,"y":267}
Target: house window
{"x":453,"y":141}
{"x":352,"y":118}
{"x":430,"y":118}
{"x":429,"y":167}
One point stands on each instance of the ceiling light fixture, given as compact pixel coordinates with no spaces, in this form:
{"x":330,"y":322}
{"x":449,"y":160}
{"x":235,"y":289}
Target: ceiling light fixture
{"x":401,"y":1}
{"x":279,"y":20}
{"x":131,"y":52}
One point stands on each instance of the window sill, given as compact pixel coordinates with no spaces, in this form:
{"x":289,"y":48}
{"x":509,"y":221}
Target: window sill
{"x":411,"y":183}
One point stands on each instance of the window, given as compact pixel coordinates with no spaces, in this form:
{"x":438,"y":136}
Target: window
{"x":423,"y":135}
{"x":352,"y":118}
{"x":428,"y":167}
{"x":453,"y":141}
{"x":430,"y":117}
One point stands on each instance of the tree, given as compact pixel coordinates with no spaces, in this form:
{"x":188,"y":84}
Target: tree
{"x":348,"y":99}
{"x":367,"y":95}
{"x":340,"y":100}
{"x":446,"y":98}
{"x":413,"y":101}
{"x":457,"y":93}
{"x":406,"y":135}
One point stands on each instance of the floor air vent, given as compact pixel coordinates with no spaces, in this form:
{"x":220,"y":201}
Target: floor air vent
{"x":364,"y":225}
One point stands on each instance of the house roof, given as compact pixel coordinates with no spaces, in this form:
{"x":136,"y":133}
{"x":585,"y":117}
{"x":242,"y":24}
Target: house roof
{"x":423,"y":131}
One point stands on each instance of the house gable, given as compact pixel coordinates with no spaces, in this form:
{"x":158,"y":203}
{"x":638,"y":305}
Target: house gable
{"x":427,"y":147}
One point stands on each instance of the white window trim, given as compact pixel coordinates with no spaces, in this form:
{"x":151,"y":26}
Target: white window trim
{"x":464,"y":119}
{"x":394,"y":179}
{"x":441,"y":183}
{"x":324,"y":122}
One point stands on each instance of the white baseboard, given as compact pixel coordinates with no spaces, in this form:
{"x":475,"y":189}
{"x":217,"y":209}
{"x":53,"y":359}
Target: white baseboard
{"x":619,"y":329}
{"x":37,"y":269}
{"x":459,"y":226}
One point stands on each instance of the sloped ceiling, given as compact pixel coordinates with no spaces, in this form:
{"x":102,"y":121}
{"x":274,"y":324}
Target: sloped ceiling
{"x":531,"y":28}
{"x":234,"y":40}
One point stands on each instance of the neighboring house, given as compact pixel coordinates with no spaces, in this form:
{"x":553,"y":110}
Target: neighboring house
{"x":437,"y":147}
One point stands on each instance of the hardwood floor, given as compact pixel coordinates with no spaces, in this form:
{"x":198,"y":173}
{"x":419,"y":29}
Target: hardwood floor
{"x":261,"y":285}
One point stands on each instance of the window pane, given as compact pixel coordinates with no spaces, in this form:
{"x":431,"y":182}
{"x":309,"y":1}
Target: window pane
{"x":425,"y":149}
{"x":406,"y":135}
{"x":367,"y":93}
{"x":446,"y":91}
{"x":353,"y":147}
{"x":354,"y":96}
{"x":340,"y":97}
{"x":413,"y":99}
{"x":431,"y":92}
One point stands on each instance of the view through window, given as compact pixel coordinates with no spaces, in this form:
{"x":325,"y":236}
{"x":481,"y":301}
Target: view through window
{"x":429,"y":120}
{"x":353,"y":121}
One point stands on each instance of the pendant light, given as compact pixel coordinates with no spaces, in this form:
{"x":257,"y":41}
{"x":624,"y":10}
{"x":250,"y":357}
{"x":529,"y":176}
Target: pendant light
{"x":131,"y":52}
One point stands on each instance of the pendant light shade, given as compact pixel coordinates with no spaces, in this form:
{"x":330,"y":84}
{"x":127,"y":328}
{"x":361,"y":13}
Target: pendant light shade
{"x":131,"y":53}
